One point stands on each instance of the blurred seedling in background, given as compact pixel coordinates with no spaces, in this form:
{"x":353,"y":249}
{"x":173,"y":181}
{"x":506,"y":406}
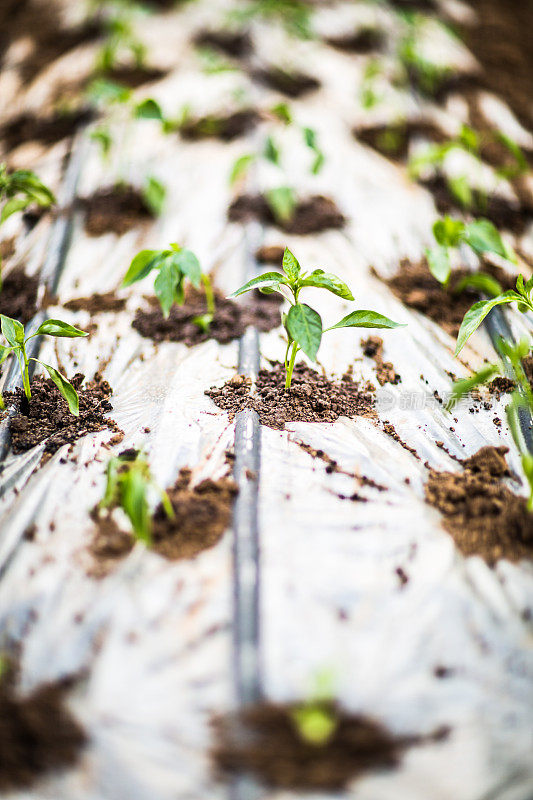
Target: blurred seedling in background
{"x":303,"y":325}
{"x":415,"y":67}
{"x":15,"y":335}
{"x":481,"y":236}
{"x":369,"y":94}
{"x":18,"y":190}
{"x":294,"y":15}
{"x":129,"y":485}
{"x":316,"y":719}
{"x":121,"y":43}
{"x":174,"y":267}
{"x":511,"y":355}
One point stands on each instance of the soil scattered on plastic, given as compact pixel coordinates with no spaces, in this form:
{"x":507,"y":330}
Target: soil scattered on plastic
{"x":311,"y":398}
{"x":365,"y":40}
{"x":114,"y":209}
{"x":226,"y":128}
{"x":202,"y":515}
{"x":313,"y":215}
{"x":97,"y":303}
{"x":385,"y":372}
{"x":264,"y":741}
{"x":291,"y":84}
{"x":393,"y":141}
{"x":45,"y":130}
{"x":415,"y":286}
{"x":230,"y":320}
{"x":37,"y":733}
{"x":484,"y":517}
{"x":233,"y":44}
{"x":46,"y":416}
{"x":18,"y":298}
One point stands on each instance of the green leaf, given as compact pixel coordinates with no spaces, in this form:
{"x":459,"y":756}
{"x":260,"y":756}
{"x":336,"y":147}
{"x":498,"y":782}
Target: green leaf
{"x":484,"y":237}
{"x":55,"y":327}
{"x":315,"y":724}
{"x":326,"y":280}
{"x":460,"y":189}
{"x":165,"y":284}
{"x":135,"y":504}
{"x":291,"y":266}
{"x":240,"y":168}
{"x":366,"y":319}
{"x":12,"y":330}
{"x":465,"y":385}
{"x":282,"y":202}
{"x":310,"y":137}
{"x":4,"y":353}
{"x":480,"y":281}
{"x":439,"y":263}
{"x":448,"y":232}
{"x":271,"y":151}
{"x":143,"y":263}
{"x":318,"y":163}
{"x":475,"y":316}
{"x":304,"y":326}
{"x":187,"y":262}
{"x":14,"y":205}
{"x":154,"y":194}
{"x":66,"y":388}
{"x":282,"y":112}
{"x":148,"y":109}
{"x":269,"y":280}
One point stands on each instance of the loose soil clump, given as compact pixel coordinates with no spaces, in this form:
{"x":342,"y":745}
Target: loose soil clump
{"x":115,"y":209}
{"x":365,"y":40}
{"x":45,"y":130}
{"x":202,"y":515}
{"x":385,"y":372}
{"x":311,"y":398}
{"x":18,"y":297}
{"x":415,"y":286}
{"x":291,"y":84}
{"x":37,"y":733}
{"x":504,"y":213}
{"x":484,"y":517}
{"x":393,"y":141}
{"x":270,"y":254}
{"x":225,"y":128}
{"x":230,"y":320}
{"x":263,"y":740}
{"x":233,"y":44}
{"x":97,"y":303}
{"x":132,"y":77}
{"x":316,"y":214}
{"x":46,"y":416}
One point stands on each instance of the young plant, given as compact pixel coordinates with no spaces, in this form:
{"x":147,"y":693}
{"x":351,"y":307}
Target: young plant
{"x":120,"y":40}
{"x":293,"y":14}
{"x":18,"y":190}
{"x":303,"y":325}
{"x":14,"y":333}
{"x":129,"y":482}
{"x":481,"y":236}
{"x":174,"y":267}
{"x":316,"y":719}
{"x":511,"y":355}
{"x":369,"y":96}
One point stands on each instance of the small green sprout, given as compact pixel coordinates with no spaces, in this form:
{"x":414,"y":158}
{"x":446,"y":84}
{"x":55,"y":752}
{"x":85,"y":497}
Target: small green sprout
{"x":154,"y":194}
{"x":14,"y":333}
{"x":316,"y":720}
{"x":282,"y":201}
{"x":480,"y":235}
{"x":369,"y":97}
{"x":18,"y":190}
{"x":120,"y":40}
{"x":174,"y":266}
{"x":129,"y":482}
{"x":303,"y":325}
{"x":311,"y":140}
{"x":294,"y":15}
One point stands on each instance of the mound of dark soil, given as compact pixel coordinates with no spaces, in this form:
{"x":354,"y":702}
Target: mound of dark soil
{"x":230,"y":321}
{"x":484,"y":517}
{"x":311,"y":398}
{"x":417,"y":288}
{"x":224,"y":128}
{"x":270,"y":254}
{"x":365,"y":40}
{"x":47,"y":417}
{"x":132,"y":76}
{"x":263,"y":740}
{"x":393,"y":141}
{"x":114,"y":209}
{"x":234,"y":44}
{"x":97,"y":303}
{"x":46,"y":130}
{"x":18,"y":296}
{"x":37,"y":734}
{"x":316,"y":214}
{"x":291,"y":84}
{"x":385,"y":372}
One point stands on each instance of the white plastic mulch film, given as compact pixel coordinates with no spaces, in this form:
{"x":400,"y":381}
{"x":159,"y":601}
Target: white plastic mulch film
{"x":153,"y":639}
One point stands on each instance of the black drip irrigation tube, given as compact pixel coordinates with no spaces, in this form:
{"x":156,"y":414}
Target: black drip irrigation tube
{"x":56,"y":253}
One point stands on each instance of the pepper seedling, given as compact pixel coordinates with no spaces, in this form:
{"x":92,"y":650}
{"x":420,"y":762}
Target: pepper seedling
{"x":174,"y":266}
{"x":303,"y":325}
{"x":18,"y":190}
{"x":129,"y":482}
{"x":14,"y":333}
{"x":511,"y":354}
{"x":481,"y":236}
